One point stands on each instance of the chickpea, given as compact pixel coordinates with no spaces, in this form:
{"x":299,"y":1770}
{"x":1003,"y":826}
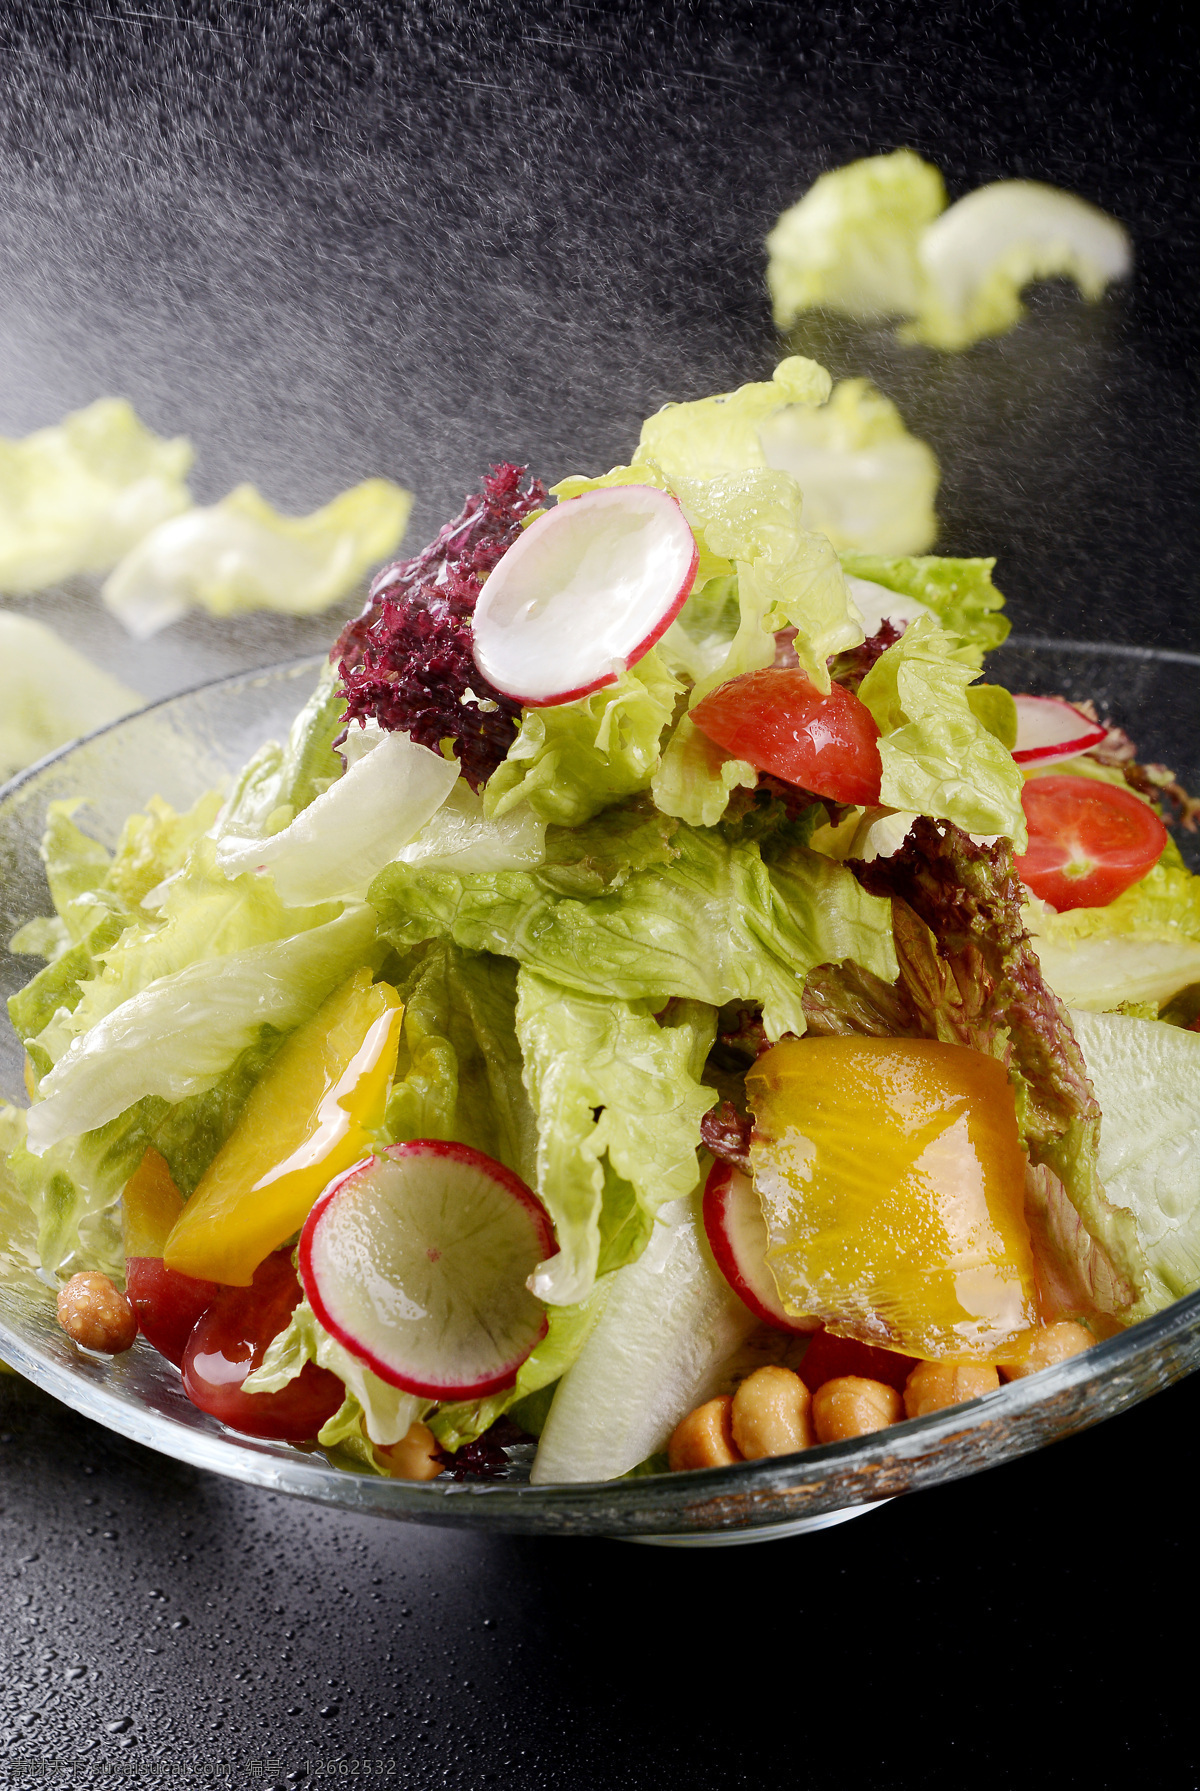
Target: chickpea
{"x":932,"y":1386}
{"x":1044,"y":1348}
{"x":771,"y":1414}
{"x":96,"y":1315}
{"x":415,"y":1457}
{"x":704,"y":1439}
{"x":853,"y":1407}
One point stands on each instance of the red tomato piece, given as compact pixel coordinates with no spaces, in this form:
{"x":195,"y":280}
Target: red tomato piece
{"x":168,"y":1305}
{"x":230,"y":1341}
{"x":778,"y":720}
{"x":1088,"y":841}
{"x":827,"y":1358}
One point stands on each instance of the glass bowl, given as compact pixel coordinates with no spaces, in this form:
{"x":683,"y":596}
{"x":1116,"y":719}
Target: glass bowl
{"x":188,"y":744}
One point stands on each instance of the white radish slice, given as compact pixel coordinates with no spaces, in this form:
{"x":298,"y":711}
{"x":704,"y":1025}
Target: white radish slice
{"x":416,"y":1261}
{"x":1050,"y":728}
{"x":583,"y":593}
{"x":737,"y":1236}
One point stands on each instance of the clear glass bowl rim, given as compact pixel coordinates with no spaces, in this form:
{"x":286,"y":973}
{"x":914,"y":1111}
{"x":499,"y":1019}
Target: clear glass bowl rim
{"x":1022,"y":1416}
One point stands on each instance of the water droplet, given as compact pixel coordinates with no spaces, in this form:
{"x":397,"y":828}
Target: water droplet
{"x":119,"y":1725}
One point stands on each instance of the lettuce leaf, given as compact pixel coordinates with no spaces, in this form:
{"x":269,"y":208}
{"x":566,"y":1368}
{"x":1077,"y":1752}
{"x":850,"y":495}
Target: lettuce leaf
{"x":959,"y":592}
{"x":338,"y":842}
{"x":979,"y":254}
{"x":1145,"y":1076}
{"x":938,"y":757}
{"x":716,"y":924}
{"x":386,"y":1412}
{"x":570,"y":761}
{"x":868,"y":484}
{"x":460,"y":836}
{"x":50,"y":694}
{"x":279,"y":782}
{"x":459,"y":1070}
{"x":851,"y":243}
{"x":242,"y":555}
{"x":181,"y":1032}
{"x":1142,"y":947}
{"x":607,"y":1078}
{"x":76,"y":497}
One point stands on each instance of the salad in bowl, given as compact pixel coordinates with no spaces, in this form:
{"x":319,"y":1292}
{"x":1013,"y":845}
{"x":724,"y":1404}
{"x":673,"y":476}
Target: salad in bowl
{"x":661,"y":1007}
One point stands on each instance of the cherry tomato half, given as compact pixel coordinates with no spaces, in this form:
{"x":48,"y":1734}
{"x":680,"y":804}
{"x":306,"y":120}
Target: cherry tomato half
{"x":1088,"y":841}
{"x":778,"y":720}
{"x":231,"y":1340}
{"x":168,"y":1305}
{"x":828,"y":1357}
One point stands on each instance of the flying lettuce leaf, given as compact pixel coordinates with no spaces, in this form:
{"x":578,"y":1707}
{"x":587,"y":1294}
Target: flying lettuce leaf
{"x":242,"y":555}
{"x":959,"y":592}
{"x":850,"y":244}
{"x":607,"y":1078}
{"x":976,"y":258}
{"x":50,"y":694}
{"x":938,"y":757}
{"x":77,"y":496}
{"x":570,"y":761}
{"x":1142,"y":947}
{"x":868,"y":484}
{"x":715,"y":924}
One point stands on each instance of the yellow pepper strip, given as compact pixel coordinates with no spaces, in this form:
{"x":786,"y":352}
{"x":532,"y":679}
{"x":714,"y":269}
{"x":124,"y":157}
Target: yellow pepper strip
{"x":150,"y":1206}
{"x":310,"y":1116}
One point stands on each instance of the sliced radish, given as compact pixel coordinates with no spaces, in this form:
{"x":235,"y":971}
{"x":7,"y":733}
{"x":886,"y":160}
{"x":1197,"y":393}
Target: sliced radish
{"x":417,"y":1261}
{"x":585,"y":591}
{"x":1050,"y":728}
{"x":737,"y":1236}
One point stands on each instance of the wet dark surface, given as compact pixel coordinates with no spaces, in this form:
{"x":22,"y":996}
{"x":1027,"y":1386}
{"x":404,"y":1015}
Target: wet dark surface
{"x":1025,"y":1627}
{"x":331,"y":242}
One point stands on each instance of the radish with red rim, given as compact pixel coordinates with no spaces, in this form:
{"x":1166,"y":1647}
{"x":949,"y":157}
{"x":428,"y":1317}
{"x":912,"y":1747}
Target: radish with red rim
{"x":585,"y":591}
{"x":1050,"y":728}
{"x":737,"y":1237}
{"x":417,"y":1261}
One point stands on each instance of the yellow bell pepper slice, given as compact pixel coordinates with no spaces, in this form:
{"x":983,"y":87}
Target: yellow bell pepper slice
{"x":310,"y":1116}
{"x":150,"y":1206}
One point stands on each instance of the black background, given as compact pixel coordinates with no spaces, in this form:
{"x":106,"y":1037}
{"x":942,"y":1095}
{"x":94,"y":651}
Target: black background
{"x":330,"y":242}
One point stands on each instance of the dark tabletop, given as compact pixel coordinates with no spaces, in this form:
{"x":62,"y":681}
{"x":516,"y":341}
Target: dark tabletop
{"x":328,"y":242}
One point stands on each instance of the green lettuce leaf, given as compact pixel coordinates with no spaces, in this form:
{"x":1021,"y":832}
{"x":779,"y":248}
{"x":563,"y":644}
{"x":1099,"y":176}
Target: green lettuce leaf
{"x":608,"y":1079}
{"x":716,"y":924}
{"x":337,"y":843}
{"x":459,"y":1069}
{"x":938,"y":758}
{"x":49,"y":693}
{"x":570,"y":761}
{"x":243,"y":555}
{"x":387,"y":1412}
{"x":959,"y":592}
{"x":979,"y":254}
{"x":1142,"y":947}
{"x":76,"y":497}
{"x":181,"y":1032}
{"x":851,"y":243}
{"x":279,"y":782}
{"x":1145,"y":1076}
{"x":868,"y":484}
